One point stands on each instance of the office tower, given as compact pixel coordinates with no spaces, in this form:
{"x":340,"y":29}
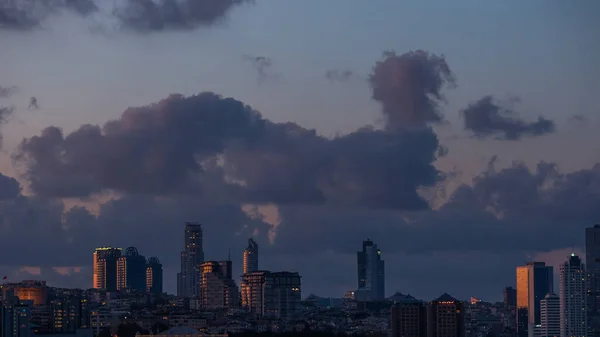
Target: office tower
{"x":154,"y":276}
{"x":445,"y":317}
{"x":573,"y":315}
{"x":534,"y":281}
{"x":271,"y":294}
{"x":105,"y":268}
{"x":510,"y":297}
{"x":371,"y":273}
{"x":251,"y":257}
{"x":550,"y":316}
{"x":131,"y":271}
{"x":408,"y":318}
{"x":218,"y":290}
{"x":192,"y":257}
{"x":592,"y":259}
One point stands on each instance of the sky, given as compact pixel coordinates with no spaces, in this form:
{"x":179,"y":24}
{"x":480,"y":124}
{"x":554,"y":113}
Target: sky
{"x":460,"y":137}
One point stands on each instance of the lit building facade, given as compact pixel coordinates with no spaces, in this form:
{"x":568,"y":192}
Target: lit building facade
{"x":272,"y":294}
{"x":573,"y":308}
{"x":534,"y":281}
{"x":251,"y":257}
{"x":408,"y":318}
{"x":371,"y":273}
{"x":218,"y":290}
{"x":154,"y":276}
{"x":550,"y":316}
{"x":105,"y":268}
{"x":446,"y":317}
{"x":131,"y":271}
{"x":592,"y":259}
{"x":192,"y":257}
{"x":29,"y":290}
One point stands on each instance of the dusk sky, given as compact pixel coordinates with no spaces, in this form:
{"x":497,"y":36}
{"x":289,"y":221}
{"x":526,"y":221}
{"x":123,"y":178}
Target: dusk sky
{"x":460,"y":136}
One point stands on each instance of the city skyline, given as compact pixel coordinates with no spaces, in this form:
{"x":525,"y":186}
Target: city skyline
{"x":437,"y":130}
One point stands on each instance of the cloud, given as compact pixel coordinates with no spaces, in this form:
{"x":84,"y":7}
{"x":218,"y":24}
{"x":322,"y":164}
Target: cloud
{"x":487,"y":117}
{"x":151,"y":16}
{"x":336,"y":75}
{"x":261,"y":64}
{"x":220,"y":149}
{"x":409,"y":87}
{"x":5,"y":113}
{"x":29,"y":14}
{"x":578,"y":118}
{"x":9,"y":187}
{"x":7,"y":91}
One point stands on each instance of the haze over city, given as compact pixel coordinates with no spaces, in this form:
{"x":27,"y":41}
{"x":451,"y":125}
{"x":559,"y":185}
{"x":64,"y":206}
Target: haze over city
{"x":461,"y":137}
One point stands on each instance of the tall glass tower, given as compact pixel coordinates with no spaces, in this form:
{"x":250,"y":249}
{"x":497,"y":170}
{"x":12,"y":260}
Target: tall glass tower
{"x":251,"y":257}
{"x":534,"y":281}
{"x":192,"y":257}
{"x":371,"y":273}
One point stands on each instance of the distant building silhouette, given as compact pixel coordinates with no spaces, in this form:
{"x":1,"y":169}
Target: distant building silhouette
{"x":154,"y":276}
{"x":408,"y":317}
{"x":105,"y":268}
{"x":592,"y":260}
{"x":445,"y":317}
{"x":192,"y":257}
{"x":573,"y":315}
{"x":510,"y":297}
{"x":371,"y":273}
{"x":251,"y":257}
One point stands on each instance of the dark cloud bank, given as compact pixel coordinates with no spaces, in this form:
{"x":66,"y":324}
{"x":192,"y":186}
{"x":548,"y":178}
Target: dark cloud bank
{"x":201,"y":157}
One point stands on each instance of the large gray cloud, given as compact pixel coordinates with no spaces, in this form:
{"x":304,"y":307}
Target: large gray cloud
{"x":5,"y":113}
{"x":214,"y":147}
{"x":487,"y":117}
{"x":29,"y":14}
{"x":7,"y":91}
{"x":409,"y":86}
{"x":151,"y":16}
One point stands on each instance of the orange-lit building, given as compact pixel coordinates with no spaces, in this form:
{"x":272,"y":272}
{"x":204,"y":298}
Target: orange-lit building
{"x":35,"y":291}
{"x":534,"y":281}
{"x":105,"y":268}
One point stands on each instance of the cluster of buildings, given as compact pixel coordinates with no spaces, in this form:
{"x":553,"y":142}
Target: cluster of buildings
{"x":115,"y":271}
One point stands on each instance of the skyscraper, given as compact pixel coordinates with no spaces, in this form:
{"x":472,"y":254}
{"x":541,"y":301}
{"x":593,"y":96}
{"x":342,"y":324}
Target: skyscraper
{"x":131,"y":271}
{"x":251,"y":257}
{"x":154,"y":276}
{"x":218,"y":289}
{"x":592,"y":260}
{"x":550,"y":316}
{"x":272,"y":294}
{"x":534,"y":281}
{"x":105,"y":268}
{"x":371,"y":273}
{"x":573,"y":315}
{"x":192,"y":257}
{"x":446,"y":317}
{"x":408,"y":318}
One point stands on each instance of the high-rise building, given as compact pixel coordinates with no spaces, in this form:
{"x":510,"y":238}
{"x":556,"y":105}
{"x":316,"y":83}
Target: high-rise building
{"x":154,"y":276}
{"x":271,"y":294}
{"x":510,"y":297}
{"x":371,"y":273}
{"x":446,"y":317}
{"x":408,"y":318}
{"x":550,"y":316}
{"x":573,"y":315}
{"x":534,"y":281}
{"x":592,"y":260}
{"x":251,"y":257}
{"x":105,"y":268}
{"x":15,"y":318}
{"x":131,"y":271}
{"x":192,"y":257}
{"x":218,"y":289}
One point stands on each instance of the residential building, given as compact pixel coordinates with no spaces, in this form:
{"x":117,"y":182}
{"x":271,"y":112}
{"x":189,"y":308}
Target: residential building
{"x":534,"y":281}
{"x":573,"y":309}
{"x":550,"y":316}
{"x":446,"y":317}
{"x":272,"y":294}
{"x":408,"y":318}
{"x":218,"y":290}
{"x":131,"y":271}
{"x":192,"y":257}
{"x":371,"y":273}
{"x":251,"y":257}
{"x":154,"y":276}
{"x":105,"y":268}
